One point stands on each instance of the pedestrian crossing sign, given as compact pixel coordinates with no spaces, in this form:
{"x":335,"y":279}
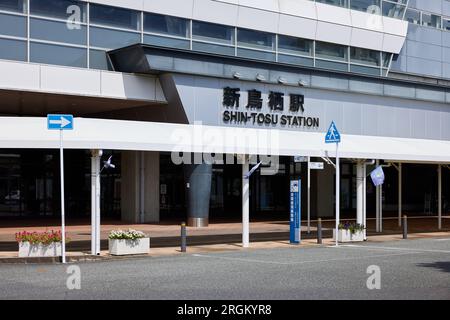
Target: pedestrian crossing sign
{"x":333,"y":135}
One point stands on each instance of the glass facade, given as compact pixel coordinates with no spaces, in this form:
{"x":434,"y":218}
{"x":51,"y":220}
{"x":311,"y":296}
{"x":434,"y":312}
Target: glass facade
{"x":76,"y":33}
{"x":30,"y":184}
{"x":389,"y":8}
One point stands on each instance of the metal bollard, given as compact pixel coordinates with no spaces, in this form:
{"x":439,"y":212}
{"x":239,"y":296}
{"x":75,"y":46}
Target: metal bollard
{"x":319,"y":231}
{"x":183,"y":237}
{"x":405,"y":227}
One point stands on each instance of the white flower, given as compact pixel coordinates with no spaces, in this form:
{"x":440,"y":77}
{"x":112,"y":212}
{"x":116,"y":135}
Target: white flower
{"x":127,"y":235}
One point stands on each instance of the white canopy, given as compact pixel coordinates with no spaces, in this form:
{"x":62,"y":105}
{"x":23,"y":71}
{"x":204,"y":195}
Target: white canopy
{"x":24,"y":133}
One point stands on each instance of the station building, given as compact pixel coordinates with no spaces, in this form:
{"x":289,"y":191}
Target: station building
{"x":151,"y":82}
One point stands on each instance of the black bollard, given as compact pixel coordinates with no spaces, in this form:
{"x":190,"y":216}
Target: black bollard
{"x":183,"y":237}
{"x":319,"y":231}
{"x":405,"y":227}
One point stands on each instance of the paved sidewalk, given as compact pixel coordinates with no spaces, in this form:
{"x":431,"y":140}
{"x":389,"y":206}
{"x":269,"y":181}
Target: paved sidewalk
{"x":165,"y":238}
{"x":11,"y":257}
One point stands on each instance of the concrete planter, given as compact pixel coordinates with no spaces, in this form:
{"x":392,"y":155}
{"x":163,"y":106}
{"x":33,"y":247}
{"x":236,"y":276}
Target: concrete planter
{"x":346,"y":236}
{"x":124,"y":247}
{"x":26,"y":249}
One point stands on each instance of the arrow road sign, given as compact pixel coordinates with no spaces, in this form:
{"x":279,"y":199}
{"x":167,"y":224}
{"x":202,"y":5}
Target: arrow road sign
{"x":333,"y":135}
{"x":60,"y":122}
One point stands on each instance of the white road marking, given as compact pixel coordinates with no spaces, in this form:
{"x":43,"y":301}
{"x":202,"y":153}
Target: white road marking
{"x":239,"y":259}
{"x":303,"y":262}
{"x":417,"y":250}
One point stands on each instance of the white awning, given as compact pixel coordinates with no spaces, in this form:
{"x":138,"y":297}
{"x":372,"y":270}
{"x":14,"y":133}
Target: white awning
{"x":24,"y":133}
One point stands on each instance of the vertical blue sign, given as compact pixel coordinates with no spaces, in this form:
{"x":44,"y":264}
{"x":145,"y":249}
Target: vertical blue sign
{"x":296,"y":188}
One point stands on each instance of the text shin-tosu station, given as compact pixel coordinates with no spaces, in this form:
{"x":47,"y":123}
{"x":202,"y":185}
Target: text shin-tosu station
{"x":188,"y":95}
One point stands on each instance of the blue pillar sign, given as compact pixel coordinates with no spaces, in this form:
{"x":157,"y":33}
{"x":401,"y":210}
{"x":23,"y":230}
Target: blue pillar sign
{"x":296,"y":186}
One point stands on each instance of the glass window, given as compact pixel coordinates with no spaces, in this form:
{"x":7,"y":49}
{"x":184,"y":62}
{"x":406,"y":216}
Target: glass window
{"x":386,"y":59}
{"x":57,"y":31}
{"x":365,"y":56}
{"x":331,"y":51}
{"x":213,"y":48}
{"x":212,"y":32}
{"x":60,"y":55}
{"x":12,"y":25}
{"x":13,"y":5}
{"x":446,"y":24}
{"x":60,"y":9}
{"x":331,"y":65}
{"x":431,"y":20}
{"x":114,"y":17}
{"x":161,"y":41}
{"x":412,"y":16}
{"x":365,"y":70}
{"x":295,"y":45}
{"x":255,"y":39}
{"x":371,"y":6}
{"x":112,"y":39}
{"x":257,"y":55}
{"x":393,"y":10}
{"x":13,"y":49}
{"x":302,"y":61}
{"x":339,"y":3}
{"x":99,"y":60}
{"x":172,"y":26}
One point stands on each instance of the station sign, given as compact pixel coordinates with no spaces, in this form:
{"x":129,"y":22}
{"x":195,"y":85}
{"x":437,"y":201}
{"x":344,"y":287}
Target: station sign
{"x":316,"y":165}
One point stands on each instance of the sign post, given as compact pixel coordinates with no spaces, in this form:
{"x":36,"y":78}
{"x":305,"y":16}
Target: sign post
{"x":61,"y":122}
{"x":295,"y":220}
{"x":333,"y":136}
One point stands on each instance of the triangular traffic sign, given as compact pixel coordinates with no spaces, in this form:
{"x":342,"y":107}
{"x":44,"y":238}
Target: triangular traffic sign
{"x":333,"y":135}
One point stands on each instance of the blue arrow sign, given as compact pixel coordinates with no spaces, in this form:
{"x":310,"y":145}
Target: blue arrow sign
{"x":333,"y":135}
{"x":60,"y":122}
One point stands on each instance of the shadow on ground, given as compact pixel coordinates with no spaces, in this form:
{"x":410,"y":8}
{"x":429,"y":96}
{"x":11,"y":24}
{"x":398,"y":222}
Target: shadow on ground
{"x":443,"y":266}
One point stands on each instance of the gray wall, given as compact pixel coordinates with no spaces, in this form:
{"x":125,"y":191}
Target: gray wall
{"x":130,"y":188}
{"x":427,"y":50}
{"x":359,"y":114}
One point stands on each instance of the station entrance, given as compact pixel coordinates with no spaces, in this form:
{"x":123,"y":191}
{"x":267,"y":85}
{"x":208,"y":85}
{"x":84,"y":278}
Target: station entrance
{"x":29,"y":189}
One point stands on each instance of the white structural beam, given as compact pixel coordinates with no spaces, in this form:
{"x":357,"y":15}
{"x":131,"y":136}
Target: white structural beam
{"x":380,"y":208}
{"x":309,"y":196}
{"x":439,"y":197}
{"x":95,"y":201}
{"x":245,"y":205}
{"x":360,"y":195}
{"x":400,"y":193}
{"x":365,"y":200}
{"x":32,"y":133}
{"x":338,"y":192}
{"x":377,"y":205}
{"x":40,"y":78}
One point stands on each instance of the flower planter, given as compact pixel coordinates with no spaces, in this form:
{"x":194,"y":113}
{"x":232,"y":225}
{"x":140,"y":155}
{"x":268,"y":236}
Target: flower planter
{"x":124,"y":247}
{"x":347,"y":236}
{"x":27,"y":249}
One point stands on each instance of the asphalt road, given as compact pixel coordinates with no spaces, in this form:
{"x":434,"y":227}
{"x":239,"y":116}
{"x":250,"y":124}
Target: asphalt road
{"x":413,"y":269}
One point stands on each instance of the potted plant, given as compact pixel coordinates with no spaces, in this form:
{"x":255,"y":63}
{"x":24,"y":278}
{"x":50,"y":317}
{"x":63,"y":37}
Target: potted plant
{"x":128,"y":242}
{"x":39,"y":244}
{"x":350,"y":232}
